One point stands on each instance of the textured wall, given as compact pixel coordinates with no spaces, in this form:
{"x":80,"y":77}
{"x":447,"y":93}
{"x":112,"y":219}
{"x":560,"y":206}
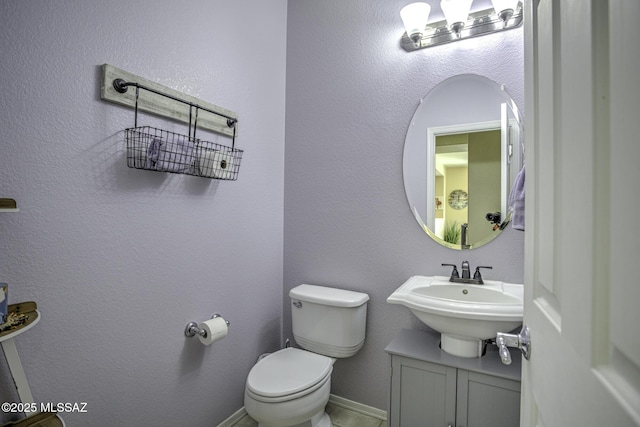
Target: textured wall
{"x":119,"y":260}
{"x":351,"y":92}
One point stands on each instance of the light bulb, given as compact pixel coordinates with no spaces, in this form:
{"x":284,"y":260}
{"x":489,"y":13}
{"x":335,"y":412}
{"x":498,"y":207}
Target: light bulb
{"x":456,"y":11}
{"x":415,"y":17}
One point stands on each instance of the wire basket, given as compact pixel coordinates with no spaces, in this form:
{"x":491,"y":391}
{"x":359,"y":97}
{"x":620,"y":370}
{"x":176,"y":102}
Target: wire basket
{"x":155,"y":149}
{"x":159,"y":150}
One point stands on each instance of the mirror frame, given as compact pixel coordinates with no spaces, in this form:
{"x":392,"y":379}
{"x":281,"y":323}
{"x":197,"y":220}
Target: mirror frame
{"x":422,"y":127}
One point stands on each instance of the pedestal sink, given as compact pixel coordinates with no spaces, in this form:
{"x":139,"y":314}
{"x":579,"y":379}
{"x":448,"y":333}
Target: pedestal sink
{"x":464,"y":314}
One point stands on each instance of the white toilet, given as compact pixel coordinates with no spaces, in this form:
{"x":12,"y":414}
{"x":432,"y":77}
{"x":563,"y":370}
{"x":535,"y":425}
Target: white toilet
{"x":291,"y":386}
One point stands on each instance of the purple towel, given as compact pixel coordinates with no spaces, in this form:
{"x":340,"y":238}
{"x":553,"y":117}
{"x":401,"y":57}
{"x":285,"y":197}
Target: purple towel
{"x":170,"y":156}
{"x":516,"y":202}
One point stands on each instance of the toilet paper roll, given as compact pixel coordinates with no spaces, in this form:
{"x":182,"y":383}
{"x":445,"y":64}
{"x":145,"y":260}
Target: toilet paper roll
{"x":215,"y":164}
{"x":216,"y":329}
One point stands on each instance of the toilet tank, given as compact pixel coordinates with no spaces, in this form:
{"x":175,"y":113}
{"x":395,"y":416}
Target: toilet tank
{"x":327,"y":320}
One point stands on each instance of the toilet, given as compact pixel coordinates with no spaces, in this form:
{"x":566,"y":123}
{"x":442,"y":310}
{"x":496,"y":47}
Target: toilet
{"x":291,"y":387}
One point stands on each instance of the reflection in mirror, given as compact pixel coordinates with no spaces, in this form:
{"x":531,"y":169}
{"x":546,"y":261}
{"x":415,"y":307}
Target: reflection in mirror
{"x":461,"y":154}
{"x":467,"y":164}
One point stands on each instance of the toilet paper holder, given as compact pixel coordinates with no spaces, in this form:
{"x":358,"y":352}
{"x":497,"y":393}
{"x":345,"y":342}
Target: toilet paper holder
{"x":192,"y":329}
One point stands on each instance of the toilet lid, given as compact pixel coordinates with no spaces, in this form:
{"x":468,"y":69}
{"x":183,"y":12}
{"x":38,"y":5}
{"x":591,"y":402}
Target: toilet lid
{"x":288,"y":371}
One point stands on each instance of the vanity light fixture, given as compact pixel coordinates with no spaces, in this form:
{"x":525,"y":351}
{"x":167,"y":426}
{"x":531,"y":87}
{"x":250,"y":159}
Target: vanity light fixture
{"x":458,"y":24}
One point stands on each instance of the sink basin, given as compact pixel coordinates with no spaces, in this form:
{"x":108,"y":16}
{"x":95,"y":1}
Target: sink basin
{"x":464,"y":314}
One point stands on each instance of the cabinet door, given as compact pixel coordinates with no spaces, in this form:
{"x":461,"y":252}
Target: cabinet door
{"x":485,"y":401}
{"x":422,"y":394}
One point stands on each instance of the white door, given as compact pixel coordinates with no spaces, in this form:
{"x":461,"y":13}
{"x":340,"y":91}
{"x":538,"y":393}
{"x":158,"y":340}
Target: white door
{"x":582,"y":250}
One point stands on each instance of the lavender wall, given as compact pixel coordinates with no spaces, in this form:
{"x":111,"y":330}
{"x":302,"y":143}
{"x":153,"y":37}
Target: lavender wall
{"x":351,"y":93}
{"x":119,"y":260}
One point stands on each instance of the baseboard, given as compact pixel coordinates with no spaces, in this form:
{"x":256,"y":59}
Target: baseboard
{"x":333,"y":399}
{"x":358,"y":407}
{"x":234,"y":418}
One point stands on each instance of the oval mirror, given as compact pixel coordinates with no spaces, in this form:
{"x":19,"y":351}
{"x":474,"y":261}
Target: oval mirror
{"x":461,"y":155}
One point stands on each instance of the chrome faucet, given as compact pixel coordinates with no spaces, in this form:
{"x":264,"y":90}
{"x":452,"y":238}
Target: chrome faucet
{"x":466,"y":274}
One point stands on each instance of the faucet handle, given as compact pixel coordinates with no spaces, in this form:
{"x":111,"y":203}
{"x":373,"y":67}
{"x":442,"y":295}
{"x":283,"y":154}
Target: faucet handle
{"x":477,"y":275}
{"x":454,"y":272}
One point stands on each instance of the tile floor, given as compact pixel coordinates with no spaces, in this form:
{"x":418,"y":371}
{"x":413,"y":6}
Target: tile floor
{"x":340,"y":417}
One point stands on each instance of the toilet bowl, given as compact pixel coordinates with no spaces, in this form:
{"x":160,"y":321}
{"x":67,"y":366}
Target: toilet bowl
{"x":290,"y":388}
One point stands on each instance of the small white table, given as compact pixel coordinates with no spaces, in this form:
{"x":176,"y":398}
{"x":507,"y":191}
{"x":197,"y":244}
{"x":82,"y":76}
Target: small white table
{"x":13,"y":360}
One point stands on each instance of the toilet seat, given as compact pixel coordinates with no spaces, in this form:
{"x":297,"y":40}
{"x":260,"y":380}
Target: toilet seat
{"x":288,"y":374}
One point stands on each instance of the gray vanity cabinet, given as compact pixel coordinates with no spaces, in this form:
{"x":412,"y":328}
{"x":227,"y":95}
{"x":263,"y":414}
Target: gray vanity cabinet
{"x":430,"y":388}
{"x":423,"y":394}
{"x":487,"y":401}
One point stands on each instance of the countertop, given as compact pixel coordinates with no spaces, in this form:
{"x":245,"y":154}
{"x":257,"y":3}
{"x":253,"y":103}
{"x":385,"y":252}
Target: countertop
{"x":425,"y":346}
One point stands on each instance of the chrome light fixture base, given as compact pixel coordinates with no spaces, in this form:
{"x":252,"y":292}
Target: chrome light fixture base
{"x":479,"y":24}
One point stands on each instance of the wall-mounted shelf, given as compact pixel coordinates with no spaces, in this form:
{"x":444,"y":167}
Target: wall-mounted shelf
{"x":160,"y":150}
{"x":161,"y":105}
{"x":8,"y":205}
